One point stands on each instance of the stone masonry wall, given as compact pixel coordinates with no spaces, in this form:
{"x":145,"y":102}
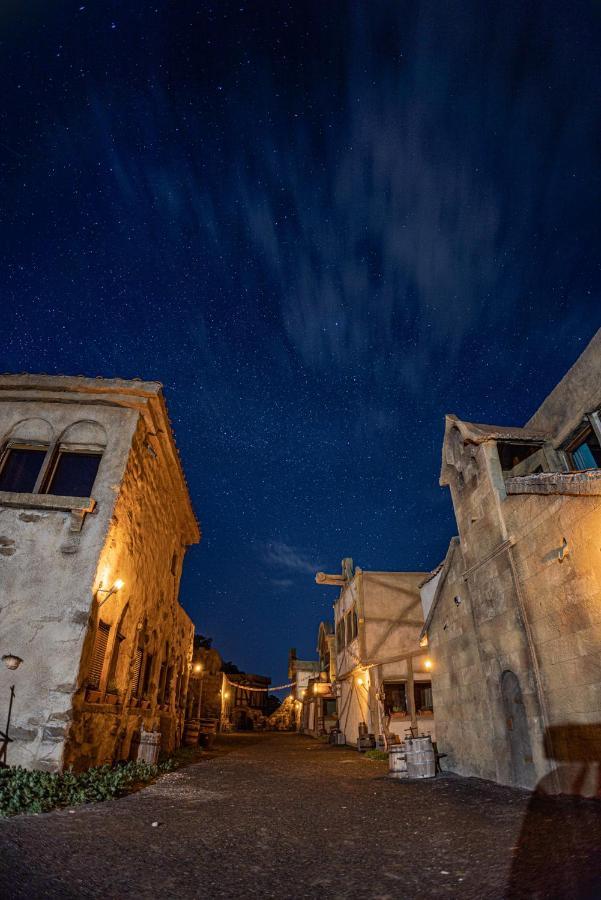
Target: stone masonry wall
{"x":143,"y":548}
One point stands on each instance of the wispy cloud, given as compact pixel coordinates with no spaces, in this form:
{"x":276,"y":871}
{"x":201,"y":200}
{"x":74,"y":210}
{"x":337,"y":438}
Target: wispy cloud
{"x":282,"y":583}
{"x":284,"y":556}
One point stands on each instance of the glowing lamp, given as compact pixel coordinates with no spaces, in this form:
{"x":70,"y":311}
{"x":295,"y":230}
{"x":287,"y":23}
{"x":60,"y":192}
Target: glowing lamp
{"x":428,"y":664}
{"x":359,"y":681}
{"x":197,"y":667}
{"x":117,"y":585}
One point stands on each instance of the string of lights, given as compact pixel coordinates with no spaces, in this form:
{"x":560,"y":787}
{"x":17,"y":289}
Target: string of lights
{"x":271,"y":690}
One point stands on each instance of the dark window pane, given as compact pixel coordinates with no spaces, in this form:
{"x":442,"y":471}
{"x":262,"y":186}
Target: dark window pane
{"x":395,"y":698}
{"x":329,"y":707}
{"x":587,"y":455}
{"x":423,"y":696}
{"x":74,"y":474}
{"x":20,"y":470}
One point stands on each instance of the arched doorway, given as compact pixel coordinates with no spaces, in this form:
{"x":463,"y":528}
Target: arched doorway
{"x":518,"y":735}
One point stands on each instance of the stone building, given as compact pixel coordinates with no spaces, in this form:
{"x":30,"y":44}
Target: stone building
{"x":382,"y":672}
{"x":320,"y":707}
{"x":95,"y":519}
{"x":514,"y":617}
{"x":245,"y":701}
{"x":300,"y":672}
{"x":206,"y":681}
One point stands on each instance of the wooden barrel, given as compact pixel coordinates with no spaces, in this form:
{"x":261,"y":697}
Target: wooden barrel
{"x":191,"y":732}
{"x":397,"y":764}
{"x":421,"y":762}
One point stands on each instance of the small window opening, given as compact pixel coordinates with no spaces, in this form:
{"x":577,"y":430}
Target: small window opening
{"x":585,"y":451}
{"x":73,"y":474}
{"x":329,"y":708}
{"x":147,"y":675}
{"x":423,"y":697}
{"x":20,"y":467}
{"x":511,"y":455}
{"x":395,"y":697}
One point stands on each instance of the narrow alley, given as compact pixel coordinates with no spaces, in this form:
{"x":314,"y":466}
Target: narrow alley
{"x":279,"y":815}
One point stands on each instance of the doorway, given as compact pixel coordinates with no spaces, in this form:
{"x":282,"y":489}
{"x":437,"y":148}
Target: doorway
{"x":518,"y":734}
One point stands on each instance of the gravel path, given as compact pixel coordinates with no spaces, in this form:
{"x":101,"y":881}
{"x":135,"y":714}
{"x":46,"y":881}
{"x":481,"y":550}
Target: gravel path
{"x":278,"y":815}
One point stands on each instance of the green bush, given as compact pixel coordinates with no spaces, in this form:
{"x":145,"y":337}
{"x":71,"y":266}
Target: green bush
{"x":380,"y":755}
{"x":22,"y":791}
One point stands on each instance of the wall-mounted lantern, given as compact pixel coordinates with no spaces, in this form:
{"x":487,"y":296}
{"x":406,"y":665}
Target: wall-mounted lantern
{"x":117,"y":585}
{"x":12,"y":662}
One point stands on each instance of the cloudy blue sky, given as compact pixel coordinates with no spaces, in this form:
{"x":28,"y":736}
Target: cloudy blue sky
{"x":322,"y":227}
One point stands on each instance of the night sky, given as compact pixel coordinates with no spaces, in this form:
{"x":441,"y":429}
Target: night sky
{"x":322,"y":225}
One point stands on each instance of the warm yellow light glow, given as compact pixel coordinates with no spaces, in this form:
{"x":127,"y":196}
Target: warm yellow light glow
{"x":428,"y":664}
{"x":359,"y":681}
{"x":118,"y":584}
{"x":302,"y":693}
{"x":226,"y":694}
{"x":198,"y":667}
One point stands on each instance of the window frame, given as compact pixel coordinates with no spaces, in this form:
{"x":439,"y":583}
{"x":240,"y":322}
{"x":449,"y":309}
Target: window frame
{"x":23,"y":444}
{"x":590,"y":426}
{"x":50,"y":462}
{"x":420,"y":684}
{"x":388,"y":711}
{"x":52,"y":465}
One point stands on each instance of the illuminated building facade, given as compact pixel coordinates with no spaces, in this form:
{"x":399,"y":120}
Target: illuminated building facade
{"x":382,"y":672}
{"x":514,"y":621}
{"x":95,"y":519}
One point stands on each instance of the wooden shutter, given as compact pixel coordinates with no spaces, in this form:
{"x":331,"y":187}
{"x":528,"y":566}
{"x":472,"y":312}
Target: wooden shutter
{"x":137,"y":672}
{"x":100,"y":642}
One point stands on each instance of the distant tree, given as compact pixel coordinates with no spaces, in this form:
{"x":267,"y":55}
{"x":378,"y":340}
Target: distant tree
{"x":202,"y":642}
{"x":230,"y":669}
{"x":272,"y":704}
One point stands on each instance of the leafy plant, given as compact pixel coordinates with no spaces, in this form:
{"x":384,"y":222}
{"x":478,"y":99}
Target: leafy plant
{"x":22,"y":791}
{"x":378,"y":755}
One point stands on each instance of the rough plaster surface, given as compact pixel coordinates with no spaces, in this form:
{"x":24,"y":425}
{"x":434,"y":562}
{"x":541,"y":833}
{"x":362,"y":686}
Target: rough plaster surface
{"x":539,"y":618}
{"x":390,"y":620}
{"x":49,"y":574}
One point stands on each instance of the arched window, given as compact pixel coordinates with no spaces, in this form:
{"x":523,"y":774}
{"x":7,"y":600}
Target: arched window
{"x":23,"y":454}
{"x":76,"y":460}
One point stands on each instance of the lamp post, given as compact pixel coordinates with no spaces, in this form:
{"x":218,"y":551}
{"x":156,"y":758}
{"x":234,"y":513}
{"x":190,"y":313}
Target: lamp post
{"x":199,"y":672}
{"x":12,"y":662}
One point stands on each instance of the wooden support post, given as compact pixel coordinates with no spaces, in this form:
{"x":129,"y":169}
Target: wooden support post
{"x":411,"y":697}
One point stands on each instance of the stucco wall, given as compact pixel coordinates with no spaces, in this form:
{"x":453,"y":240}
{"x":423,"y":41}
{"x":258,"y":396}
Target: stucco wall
{"x":496,"y":642}
{"x":578,"y":393}
{"x":390,"y":619}
{"x":562,"y":592}
{"x":463,"y":717}
{"x":530,"y":581}
{"x":46,"y":581}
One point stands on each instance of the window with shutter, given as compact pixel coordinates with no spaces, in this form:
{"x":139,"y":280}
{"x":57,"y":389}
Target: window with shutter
{"x":168,"y":680}
{"x":100,"y":643}
{"x":147,"y":675}
{"x":117,"y":649}
{"x":137,"y":674}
